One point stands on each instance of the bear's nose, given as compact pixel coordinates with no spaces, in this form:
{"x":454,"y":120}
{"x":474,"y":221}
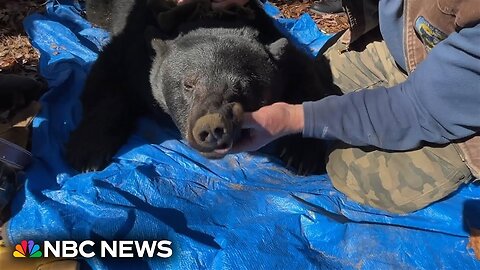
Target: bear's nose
{"x":211,"y":131}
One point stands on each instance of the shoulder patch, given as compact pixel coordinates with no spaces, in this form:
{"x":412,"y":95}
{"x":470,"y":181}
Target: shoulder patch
{"x":429,"y":34}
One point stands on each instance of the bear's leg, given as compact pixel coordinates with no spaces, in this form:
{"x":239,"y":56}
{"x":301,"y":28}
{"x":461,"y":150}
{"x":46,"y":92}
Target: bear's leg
{"x":302,"y":155}
{"x":105,"y":127}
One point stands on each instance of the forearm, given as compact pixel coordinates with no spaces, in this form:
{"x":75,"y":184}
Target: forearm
{"x":438,"y":103}
{"x":382,"y":117}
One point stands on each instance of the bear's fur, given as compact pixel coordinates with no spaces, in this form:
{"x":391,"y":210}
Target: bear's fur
{"x":204,"y":73}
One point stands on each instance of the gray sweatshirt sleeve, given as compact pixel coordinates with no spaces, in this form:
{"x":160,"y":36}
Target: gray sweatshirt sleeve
{"x":439,"y":102}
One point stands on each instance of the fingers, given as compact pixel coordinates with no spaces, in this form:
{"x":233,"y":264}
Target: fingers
{"x":259,"y":133}
{"x":250,"y":141}
{"x":224,"y":4}
{"x":182,"y":2}
{"x":246,"y":144}
{"x":250,"y":121}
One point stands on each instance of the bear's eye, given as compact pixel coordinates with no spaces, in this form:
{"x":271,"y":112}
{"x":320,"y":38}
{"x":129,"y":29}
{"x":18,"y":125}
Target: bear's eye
{"x":238,"y":86}
{"x":188,"y":85}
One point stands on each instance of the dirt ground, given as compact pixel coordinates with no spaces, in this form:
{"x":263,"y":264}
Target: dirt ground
{"x":16,"y":53}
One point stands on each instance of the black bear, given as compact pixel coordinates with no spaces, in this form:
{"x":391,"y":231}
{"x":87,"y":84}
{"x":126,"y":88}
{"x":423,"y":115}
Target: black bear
{"x":204,"y":75}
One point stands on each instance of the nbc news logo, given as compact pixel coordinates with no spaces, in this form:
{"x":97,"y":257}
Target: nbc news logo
{"x":88,"y":249}
{"x":27,"y":250}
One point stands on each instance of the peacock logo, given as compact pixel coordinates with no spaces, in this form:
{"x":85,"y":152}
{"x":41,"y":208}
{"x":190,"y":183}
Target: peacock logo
{"x":27,"y":250}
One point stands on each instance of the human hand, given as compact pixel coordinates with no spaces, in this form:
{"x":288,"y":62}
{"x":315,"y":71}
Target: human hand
{"x":219,"y":4}
{"x":269,"y":123}
{"x":224,"y":4}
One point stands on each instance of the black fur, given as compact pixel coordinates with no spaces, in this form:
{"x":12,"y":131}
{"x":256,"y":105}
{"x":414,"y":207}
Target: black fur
{"x":204,"y":74}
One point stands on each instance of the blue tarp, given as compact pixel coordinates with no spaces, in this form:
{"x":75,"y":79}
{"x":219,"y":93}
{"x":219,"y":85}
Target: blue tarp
{"x":241,"y":212}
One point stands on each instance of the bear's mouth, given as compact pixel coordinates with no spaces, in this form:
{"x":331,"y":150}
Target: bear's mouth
{"x":219,"y":152}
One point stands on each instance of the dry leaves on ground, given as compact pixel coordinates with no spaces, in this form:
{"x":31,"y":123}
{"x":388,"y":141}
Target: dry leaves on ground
{"x":475,"y":241}
{"x":16,"y":53}
{"x":328,"y":23}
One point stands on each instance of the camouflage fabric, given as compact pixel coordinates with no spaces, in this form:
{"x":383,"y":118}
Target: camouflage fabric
{"x":398,"y":182}
{"x":371,"y":67}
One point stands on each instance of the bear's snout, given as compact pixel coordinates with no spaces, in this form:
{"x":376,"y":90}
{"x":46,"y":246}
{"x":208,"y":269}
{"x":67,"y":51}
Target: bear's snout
{"x":212,"y":131}
{"x":213,"y":134}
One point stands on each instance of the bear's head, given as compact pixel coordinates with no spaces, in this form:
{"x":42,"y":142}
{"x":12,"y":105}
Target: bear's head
{"x":207,"y":78}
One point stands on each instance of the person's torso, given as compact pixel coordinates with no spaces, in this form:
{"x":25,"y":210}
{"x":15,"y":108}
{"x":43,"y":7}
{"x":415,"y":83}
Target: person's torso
{"x":411,"y":28}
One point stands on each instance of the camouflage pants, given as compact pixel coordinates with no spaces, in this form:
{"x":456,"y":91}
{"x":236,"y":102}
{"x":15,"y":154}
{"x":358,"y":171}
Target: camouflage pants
{"x":398,"y":182}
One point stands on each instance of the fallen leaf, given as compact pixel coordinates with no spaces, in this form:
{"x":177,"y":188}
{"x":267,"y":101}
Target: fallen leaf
{"x":474,"y":242}
{"x":327,"y":23}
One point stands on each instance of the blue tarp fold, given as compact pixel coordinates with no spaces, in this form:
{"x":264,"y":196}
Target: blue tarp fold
{"x":241,"y":212}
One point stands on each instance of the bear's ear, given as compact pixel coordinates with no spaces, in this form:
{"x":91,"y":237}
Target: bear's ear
{"x":159,"y":46}
{"x":278,"y":48}
{"x":152,"y":37}
{"x":249,"y":33}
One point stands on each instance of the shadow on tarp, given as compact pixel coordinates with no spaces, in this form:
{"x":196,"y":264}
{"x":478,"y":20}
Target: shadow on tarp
{"x":239,"y":212}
